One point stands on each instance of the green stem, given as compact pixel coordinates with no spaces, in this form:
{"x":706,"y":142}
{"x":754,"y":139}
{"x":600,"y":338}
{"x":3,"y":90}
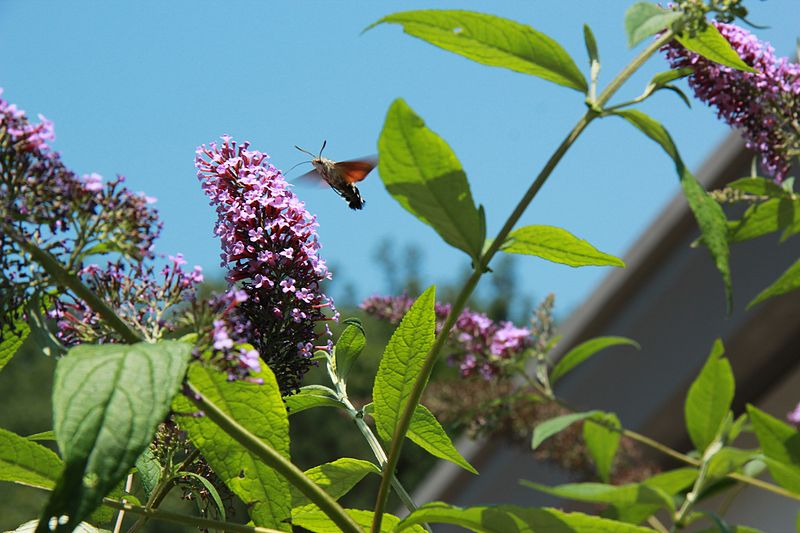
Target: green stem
{"x":275,"y":460}
{"x":481,"y":266}
{"x":176,"y":518}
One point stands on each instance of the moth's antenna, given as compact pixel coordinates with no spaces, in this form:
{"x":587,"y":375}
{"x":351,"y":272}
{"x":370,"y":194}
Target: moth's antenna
{"x":324,"y":143}
{"x":304,"y":151}
{"x":297,"y":165}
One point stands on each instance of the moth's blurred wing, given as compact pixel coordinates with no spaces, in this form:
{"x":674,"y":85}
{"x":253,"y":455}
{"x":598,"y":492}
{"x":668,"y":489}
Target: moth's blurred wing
{"x":312,"y":178}
{"x":356,"y":170}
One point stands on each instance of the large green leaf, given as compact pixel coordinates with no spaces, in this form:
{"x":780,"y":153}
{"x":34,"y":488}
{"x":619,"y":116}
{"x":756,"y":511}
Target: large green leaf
{"x":336,"y":478}
{"x":505,"y":518}
{"x":781,"y":443}
{"x":310,"y":396}
{"x":557,"y":245}
{"x":710,"y":44}
{"x":423,"y":174}
{"x":258,"y":408}
{"x":548,"y":428}
{"x":318,"y":522}
{"x":631,"y":494}
{"x":107,"y":402}
{"x":708,"y":213}
{"x":492,"y":41}
{"x":349,"y":346}
{"x":427,"y":433}
{"x":644,"y":19}
{"x":11,"y":338}
{"x":709,"y":399}
{"x":602,"y":442}
{"x":402,"y":361}
{"x":787,"y":282}
{"x":25,"y":462}
{"x":585,"y":350}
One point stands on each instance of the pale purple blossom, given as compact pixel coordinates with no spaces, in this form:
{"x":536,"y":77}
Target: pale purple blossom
{"x":765,"y":105}
{"x":794,"y":416}
{"x":477,"y":344}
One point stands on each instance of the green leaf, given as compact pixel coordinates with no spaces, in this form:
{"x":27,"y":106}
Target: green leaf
{"x":602,"y":442}
{"x":584,"y":351}
{"x":149,"y":471}
{"x":318,"y":522}
{"x":669,"y":483}
{"x":311,"y":396}
{"x":505,"y":518}
{"x":258,"y":408}
{"x":548,"y":428}
{"x":759,"y":186}
{"x":644,"y":19}
{"x":557,"y":245}
{"x":591,"y":50}
{"x":349,"y":346}
{"x":709,"y":399}
{"x":107,"y":402}
{"x":710,"y":44}
{"x":25,"y":462}
{"x":426,"y":432}
{"x":766,"y":217}
{"x":492,"y":41}
{"x":44,"y":435}
{"x":11,"y":338}
{"x":631,"y":494}
{"x":402,"y":361}
{"x":336,"y":478}
{"x":423,"y":174}
{"x":708,"y":213}
{"x":787,"y":282}
{"x":781,"y":443}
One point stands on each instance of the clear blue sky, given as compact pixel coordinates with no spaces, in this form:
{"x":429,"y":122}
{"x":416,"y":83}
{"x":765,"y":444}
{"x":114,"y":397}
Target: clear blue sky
{"x":134,"y":87}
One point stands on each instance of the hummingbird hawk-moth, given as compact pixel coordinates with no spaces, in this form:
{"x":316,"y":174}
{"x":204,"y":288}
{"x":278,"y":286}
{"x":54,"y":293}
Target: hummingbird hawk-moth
{"x":342,"y":176}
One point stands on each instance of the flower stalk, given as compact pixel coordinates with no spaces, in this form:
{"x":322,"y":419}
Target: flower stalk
{"x":482,"y":265}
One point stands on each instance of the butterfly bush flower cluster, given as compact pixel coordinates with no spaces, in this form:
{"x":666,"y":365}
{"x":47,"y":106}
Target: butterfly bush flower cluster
{"x":271,"y":250}
{"x":140,"y":295}
{"x":67,"y":215}
{"x":765,"y":105}
{"x":479,"y":345}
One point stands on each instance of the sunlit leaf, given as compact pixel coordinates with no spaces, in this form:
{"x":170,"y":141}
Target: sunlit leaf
{"x":787,"y":282}
{"x":423,"y":174}
{"x":258,"y":408}
{"x":557,"y":245}
{"x":493,"y":41}
{"x":426,"y":432}
{"x":402,"y":361}
{"x":602,"y":442}
{"x":25,"y":462}
{"x":710,"y":44}
{"x":107,"y":402}
{"x":709,"y":399}
{"x":336,"y":478}
{"x":781,"y":443}
{"x":310,"y":396}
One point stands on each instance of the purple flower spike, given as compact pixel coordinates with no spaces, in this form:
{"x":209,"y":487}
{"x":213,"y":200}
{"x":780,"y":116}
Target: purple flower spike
{"x":764,"y":105}
{"x":270,"y":247}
